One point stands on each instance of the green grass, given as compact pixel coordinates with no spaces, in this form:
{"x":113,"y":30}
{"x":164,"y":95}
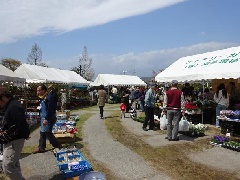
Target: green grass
{"x":171,"y":159}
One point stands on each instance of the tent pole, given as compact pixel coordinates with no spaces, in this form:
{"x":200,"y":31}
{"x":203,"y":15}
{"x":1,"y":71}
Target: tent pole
{"x":203,"y":84}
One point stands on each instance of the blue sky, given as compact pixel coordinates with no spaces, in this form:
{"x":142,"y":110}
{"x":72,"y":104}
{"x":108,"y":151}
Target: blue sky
{"x":135,"y":36}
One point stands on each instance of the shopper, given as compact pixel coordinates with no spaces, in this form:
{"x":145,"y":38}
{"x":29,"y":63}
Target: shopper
{"x":14,"y":115}
{"x":126,"y":99}
{"x":114,"y":93}
{"x":173,"y":103}
{"x":188,"y":91}
{"x":233,"y":95}
{"x":63,"y":98}
{"x":122,"y":109}
{"x":102,"y":95}
{"x":149,"y":108}
{"x":47,"y":108}
{"x":221,"y":97}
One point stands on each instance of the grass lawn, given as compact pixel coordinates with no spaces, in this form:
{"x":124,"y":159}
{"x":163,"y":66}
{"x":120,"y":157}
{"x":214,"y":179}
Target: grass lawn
{"x":171,"y":159}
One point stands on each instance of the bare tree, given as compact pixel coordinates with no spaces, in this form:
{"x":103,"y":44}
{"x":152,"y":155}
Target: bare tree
{"x":10,"y":63}
{"x":84,"y":68}
{"x":35,"y":56}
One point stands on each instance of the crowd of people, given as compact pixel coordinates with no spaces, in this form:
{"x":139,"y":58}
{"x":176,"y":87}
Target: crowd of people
{"x":143,"y":99}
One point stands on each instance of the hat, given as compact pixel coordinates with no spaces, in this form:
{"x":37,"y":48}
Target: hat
{"x":174,"y":82}
{"x":153,"y":85}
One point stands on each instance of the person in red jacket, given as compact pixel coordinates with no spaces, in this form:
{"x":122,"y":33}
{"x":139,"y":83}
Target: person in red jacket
{"x":122,"y":109}
{"x":173,"y":104}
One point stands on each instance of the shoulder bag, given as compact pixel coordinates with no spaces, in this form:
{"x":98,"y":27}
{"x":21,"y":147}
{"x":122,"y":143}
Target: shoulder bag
{"x":8,"y":133}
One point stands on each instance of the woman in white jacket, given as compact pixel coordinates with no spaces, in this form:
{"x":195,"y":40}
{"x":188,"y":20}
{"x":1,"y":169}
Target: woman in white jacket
{"x":221,"y":97}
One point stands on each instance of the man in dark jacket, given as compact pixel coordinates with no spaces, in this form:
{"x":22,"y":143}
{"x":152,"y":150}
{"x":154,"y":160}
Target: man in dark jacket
{"x":14,"y":115}
{"x":48,"y":107}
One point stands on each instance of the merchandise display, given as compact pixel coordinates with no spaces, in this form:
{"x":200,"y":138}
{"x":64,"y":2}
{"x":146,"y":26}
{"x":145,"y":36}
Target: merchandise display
{"x":229,"y":121}
{"x":71,"y":162}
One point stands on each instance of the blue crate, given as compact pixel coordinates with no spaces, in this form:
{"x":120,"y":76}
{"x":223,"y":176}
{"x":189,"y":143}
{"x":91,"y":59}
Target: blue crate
{"x":60,"y":122}
{"x":83,"y":166}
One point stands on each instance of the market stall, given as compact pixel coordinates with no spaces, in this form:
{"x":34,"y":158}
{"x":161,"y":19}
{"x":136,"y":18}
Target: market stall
{"x":63,"y":78}
{"x":6,"y":75}
{"x":117,"y":80}
{"x":40,"y":74}
{"x":220,"y":64}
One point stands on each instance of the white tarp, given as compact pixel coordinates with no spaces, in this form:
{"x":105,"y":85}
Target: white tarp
{"x":39,"y":74}
{"x":8,"y":75}
{"x":212,"y":65}
{"x":117,"y":80}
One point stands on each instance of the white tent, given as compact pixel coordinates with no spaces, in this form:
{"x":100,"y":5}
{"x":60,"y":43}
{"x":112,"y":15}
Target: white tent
{"x":221,"y":64}
{"x":39,"y":74}
{"x":117,"y":80}
{"x":8,"y":75}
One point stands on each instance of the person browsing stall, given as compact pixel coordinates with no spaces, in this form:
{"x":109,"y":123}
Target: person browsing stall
{"x":221,"y":97}
{"x":173,"y":103}
{"x":149,"y":108}
{"x":14,"y":115}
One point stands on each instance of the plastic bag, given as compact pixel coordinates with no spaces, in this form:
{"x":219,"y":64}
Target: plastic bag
{"x":183,"y":124}
{"x":163,"y":122}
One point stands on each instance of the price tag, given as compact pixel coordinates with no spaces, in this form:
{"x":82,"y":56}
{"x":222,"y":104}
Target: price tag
{"x":228,"y":135}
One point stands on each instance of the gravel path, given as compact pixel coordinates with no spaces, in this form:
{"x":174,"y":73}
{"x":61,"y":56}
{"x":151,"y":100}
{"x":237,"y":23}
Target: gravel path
{"x":122,"y":161}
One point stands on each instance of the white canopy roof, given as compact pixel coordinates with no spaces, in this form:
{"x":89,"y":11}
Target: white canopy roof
{"x":212,"y":65}
{"x":39,"y":74}
{"x":117,"y":80}
{"x":8,"y":75}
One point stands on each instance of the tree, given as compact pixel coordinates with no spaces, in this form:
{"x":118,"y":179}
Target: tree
{"x":84,"y":68}
{"x":35,"y":56}
{"x":10,"y":63}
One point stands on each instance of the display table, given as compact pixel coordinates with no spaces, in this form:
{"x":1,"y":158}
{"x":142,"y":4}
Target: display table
{"x":229,"y":121}
{"x":230,"y":126}
{"x":194,"y":116}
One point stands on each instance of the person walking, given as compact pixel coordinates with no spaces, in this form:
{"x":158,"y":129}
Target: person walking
{"x":14,"y":115}
{"x":47,"y":108}
{"x":173,"y":103}
{"x":221,"y":97}
{"x":122,"y":109}
{"x":149,"y":108}
{"x":102,"y":95}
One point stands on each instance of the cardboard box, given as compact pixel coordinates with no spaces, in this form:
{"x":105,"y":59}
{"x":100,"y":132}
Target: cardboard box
{"x":65,"y":137}
{"x":73,"y":178}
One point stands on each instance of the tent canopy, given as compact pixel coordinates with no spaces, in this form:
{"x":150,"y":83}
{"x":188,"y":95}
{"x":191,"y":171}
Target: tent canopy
{"x":117,"y":80}
{"x":39,"y":74}
{"x":8,"y":75}
{"x":221,"y":64}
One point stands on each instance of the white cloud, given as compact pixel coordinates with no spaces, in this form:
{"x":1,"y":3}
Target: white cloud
{"x":23,"y":19}
{"x":140,"y":64}
{"x":143,"y":63}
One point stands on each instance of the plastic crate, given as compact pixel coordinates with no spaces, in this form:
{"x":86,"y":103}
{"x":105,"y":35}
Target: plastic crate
{"x":72,"y":169}
{"x":60,"y":122}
